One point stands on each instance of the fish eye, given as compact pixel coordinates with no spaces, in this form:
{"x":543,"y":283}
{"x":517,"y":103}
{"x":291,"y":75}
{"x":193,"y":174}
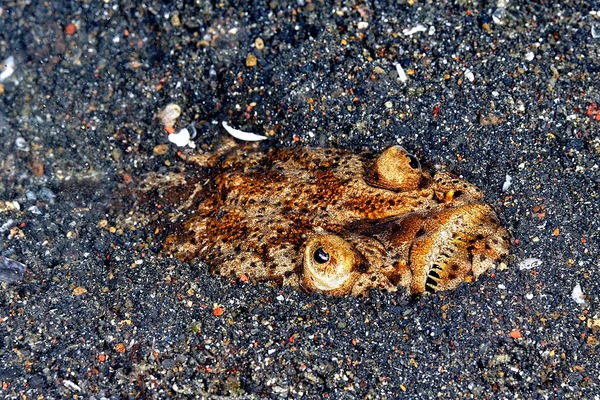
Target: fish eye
{"x":414,"y":163}
{"x":329,"y":264}
{"x":321,"y":256}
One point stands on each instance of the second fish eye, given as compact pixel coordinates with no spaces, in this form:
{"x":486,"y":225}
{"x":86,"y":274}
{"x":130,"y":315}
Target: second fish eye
{"x":414,"y":163}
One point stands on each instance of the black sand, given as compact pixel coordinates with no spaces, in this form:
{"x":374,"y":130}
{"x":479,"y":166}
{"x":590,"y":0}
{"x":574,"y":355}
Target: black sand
{"x":88,"y":321}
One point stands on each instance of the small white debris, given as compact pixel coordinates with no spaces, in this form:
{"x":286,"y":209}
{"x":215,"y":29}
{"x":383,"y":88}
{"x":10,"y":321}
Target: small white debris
{"x":529,"y":56}
{"x":233,"y":31}
{"x":7,"y":225}
{"x":502,"y":286}
{"x":362,"y":25}
{"x":241,"y":135}
{"x":530,"y":263}
{"x":280,"y":297}
{"x":182,"y":138}
{"x":21,"y":144}
{"x":401,"y":74}
{"x":577,"y":295}
{"x":507,"y":183}
{"x":499,"y":15}
{"x":169,"y":114}
{"x":412,"y":31}
{"x":70,"y":385}
{"x":529,"y":296}
{"x":469,"y":75}
{"x":34,"y":210}
{"x":595,"y":32}
{"x":8,"y":67}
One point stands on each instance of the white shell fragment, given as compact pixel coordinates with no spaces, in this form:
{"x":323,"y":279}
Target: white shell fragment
{"x":507,"y":183}
{"x":71,"y":386}
{"x":182,"y":138}
{"x":530,"y":263}
{"x":595,"y":31}
{"x":241,"y":135}
{"x":413,"y":30}
{"x":529,"y":56}
{"x":577,"y":295}
{"x":469,"y":75}
{"x":21,"y":144}
{"x":401,"y":74}
{"x":7,"y":67}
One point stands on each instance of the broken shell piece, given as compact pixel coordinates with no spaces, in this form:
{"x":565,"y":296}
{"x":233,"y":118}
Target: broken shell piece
{"x":401,"y":74}
{"x":577,"y":295}
{"x":8,"y":68}
{"x":507,"y":183}
{"x":182,"y":138}
{"x":413,"y":30}
{"x":530,"y":263}
{"x":241,"y":135}
{"x":469,"y":75}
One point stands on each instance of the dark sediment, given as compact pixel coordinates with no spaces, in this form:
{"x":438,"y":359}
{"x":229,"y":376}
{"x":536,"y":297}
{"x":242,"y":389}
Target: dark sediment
{"x":490,"y":92}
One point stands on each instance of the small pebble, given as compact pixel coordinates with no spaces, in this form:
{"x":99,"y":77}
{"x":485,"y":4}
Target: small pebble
{"x":160,"y":150}
{"x":11,"y":270}
{"x":79,"y":290}
{"x":169,"y":114}
{"x":595,"y":31}
{"x":251,"y":60}
{"x":175,"y":20}
{"x":259,"y":44}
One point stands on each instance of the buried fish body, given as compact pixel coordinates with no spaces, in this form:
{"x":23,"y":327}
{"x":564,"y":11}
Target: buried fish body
{"x":328,"y":220}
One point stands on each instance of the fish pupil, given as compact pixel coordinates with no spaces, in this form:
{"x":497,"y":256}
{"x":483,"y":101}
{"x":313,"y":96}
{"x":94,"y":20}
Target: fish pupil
{"x":321,"y":256}
{"x":414,"y":163}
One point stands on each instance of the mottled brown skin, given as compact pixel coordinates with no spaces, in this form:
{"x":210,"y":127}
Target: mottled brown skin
{"x":332,"y":221}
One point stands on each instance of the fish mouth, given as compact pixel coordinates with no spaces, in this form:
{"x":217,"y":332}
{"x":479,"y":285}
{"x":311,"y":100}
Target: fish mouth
{"x":437,"y":251}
